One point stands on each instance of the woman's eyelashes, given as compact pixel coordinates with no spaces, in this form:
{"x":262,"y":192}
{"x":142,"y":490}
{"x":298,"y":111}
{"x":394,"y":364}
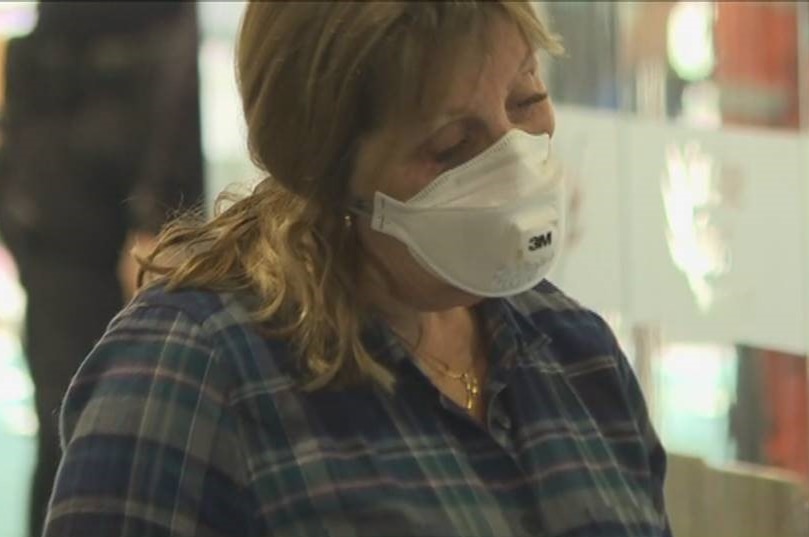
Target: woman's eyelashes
{"x":455,"y":151}
{"x":533,"y":99}
{"x":528,"y":104}
{"x":447,"y":155}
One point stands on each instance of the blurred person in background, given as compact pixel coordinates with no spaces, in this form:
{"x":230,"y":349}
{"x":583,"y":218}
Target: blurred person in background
{"x":100,"y":141}
{"x":367,"y":343}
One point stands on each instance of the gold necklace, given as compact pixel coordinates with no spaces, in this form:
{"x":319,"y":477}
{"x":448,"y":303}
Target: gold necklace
{"x":467,"y":378}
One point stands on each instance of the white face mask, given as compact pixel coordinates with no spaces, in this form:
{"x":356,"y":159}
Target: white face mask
{"x":492,"y":226}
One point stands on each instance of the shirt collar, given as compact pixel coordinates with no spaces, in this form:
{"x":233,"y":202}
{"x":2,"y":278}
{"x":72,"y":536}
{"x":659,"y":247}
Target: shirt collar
{"x":510,"y":332}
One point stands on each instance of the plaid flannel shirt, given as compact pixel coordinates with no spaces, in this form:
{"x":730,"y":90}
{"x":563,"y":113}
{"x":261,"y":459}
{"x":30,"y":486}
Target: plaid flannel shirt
{"x":186,"y":421}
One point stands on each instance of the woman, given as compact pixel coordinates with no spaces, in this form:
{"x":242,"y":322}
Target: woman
{"x":365,"y":345}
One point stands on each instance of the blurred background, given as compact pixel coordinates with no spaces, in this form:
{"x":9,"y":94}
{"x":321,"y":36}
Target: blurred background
{"x":685,"y":130}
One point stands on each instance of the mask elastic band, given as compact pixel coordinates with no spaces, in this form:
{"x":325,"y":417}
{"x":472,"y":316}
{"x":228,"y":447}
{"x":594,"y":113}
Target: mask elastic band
{"x":361,"y":207}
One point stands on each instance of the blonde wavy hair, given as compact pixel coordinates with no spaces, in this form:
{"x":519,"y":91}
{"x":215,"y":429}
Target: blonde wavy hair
{"x":314,"y":78}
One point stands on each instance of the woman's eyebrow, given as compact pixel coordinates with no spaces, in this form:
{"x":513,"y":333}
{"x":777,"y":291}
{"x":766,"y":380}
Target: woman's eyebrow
{"x":529,"y":59}
{"x":456,"y":113}
{"x":529,"y":56}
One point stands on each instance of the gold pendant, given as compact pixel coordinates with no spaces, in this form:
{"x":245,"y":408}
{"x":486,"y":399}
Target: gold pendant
{"x":470,"y":384}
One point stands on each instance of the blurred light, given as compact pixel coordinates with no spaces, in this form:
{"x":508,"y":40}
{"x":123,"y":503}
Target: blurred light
{"x":701,"y":105}
{"x":20,"y":420}
{"x":17,"y":18}
{"x":220,"y":19}
{"x":12,"y":307}
{"x":690,"y":40}
{"x":697,"y":246}
{"x":705,"y":373}
{"x":224,"y":133}
{"x":16,"y":389}
{"x":15,"y":384}
{"x":697,"y":389}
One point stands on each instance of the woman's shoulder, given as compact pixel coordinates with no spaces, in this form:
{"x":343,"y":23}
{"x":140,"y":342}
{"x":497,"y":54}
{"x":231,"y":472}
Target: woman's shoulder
{"x":153,"y":405}
{"x":218,"y":326}
{"x":187,"y":341}
{"x":210,"y":309}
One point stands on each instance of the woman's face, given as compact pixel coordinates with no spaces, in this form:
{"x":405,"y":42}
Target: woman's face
{"x":488,"y":97}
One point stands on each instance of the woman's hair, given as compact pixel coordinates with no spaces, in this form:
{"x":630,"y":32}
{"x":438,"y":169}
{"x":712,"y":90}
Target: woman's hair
{"x":316,"y":77}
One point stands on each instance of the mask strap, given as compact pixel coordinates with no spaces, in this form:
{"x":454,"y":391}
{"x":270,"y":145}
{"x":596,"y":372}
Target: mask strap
{"x":361,"y":207}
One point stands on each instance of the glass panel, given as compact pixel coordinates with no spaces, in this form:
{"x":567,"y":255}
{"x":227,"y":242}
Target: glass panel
{"x":757,"y":63}
{"x":696,"y":241}
{"x":691,"y":210}
{"x":769,"y":418}
{"x":706,"y":64}
{"x":744,"y":404}
{"x":712,"y":63}
{"x":734,"y":419}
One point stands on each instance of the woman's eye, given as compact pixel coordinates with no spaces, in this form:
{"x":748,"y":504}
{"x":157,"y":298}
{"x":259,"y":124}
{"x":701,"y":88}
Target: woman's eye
{"x":446,"y":155}
{"x":532,"y":100}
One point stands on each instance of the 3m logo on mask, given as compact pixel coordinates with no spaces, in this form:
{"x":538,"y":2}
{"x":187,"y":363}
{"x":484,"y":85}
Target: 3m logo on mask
{"x":540,"y":241}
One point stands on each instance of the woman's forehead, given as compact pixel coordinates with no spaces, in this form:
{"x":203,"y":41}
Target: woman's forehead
{"x":454,"y":78}
{"x":448,"y":95}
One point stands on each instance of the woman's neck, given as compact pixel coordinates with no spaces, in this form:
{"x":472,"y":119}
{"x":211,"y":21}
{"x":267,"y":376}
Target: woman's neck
{"x":451,"y":334}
